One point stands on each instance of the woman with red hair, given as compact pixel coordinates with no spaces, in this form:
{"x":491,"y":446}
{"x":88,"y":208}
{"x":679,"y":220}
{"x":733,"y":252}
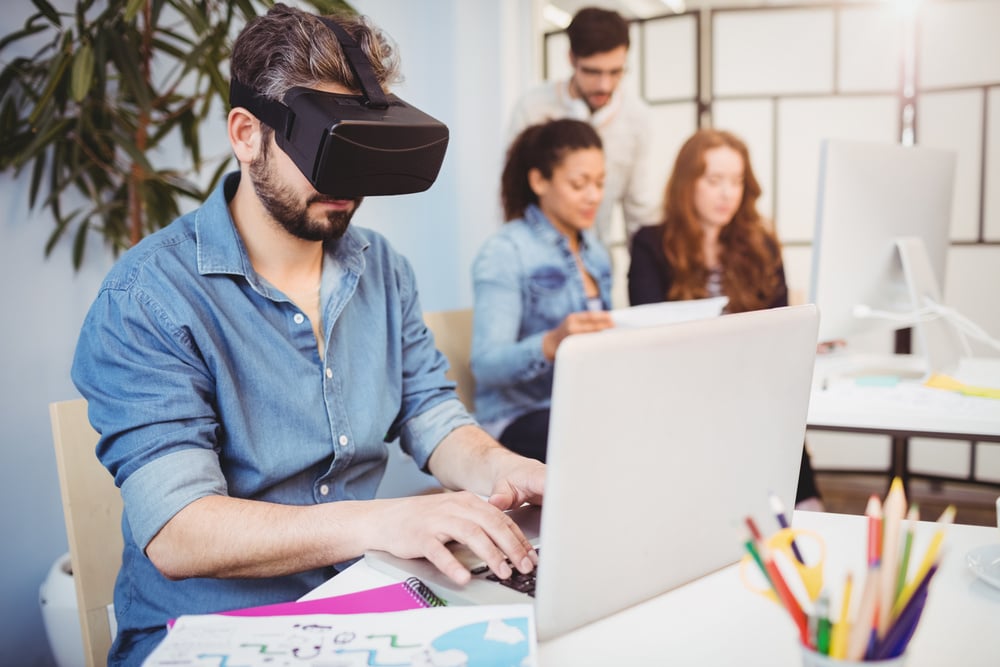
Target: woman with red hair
{"x":713,"y":242}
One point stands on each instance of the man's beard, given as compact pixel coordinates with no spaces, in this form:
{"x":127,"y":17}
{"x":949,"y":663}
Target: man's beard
{"x":283,"y":205}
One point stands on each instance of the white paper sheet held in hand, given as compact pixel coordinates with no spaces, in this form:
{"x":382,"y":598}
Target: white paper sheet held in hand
{"x":669,"y":312}
{"x":473,"y":636}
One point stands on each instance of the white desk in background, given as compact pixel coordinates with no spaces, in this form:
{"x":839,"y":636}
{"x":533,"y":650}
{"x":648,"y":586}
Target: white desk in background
{"x":856,"y":393}
{"x":716,"y":621}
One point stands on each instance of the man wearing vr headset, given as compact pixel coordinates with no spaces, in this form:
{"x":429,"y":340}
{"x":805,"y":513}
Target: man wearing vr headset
{"x":246,"y":365}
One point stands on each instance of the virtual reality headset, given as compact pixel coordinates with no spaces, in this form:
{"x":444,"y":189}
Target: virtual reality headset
{"x":351,"y":146}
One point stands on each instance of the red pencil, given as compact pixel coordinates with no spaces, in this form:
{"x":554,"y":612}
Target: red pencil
{"x":874,"y":513}
{"x":785,"y":594}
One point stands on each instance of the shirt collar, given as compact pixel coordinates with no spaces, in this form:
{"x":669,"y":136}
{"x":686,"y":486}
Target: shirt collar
{"x":221,"y":250}
{"x":542,"y":226}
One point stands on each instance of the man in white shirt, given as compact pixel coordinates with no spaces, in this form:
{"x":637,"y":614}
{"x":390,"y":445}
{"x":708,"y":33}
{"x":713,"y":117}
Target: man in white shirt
{"x":599,"y":43}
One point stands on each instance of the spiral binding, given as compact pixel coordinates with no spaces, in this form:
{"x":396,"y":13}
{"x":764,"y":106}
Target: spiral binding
{"x":423,"y":593}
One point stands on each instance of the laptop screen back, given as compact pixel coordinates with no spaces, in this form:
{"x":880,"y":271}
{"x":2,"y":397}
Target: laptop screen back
{"x":661,"y":441}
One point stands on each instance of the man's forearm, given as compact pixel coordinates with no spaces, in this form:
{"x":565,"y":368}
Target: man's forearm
{"x":466,"y":459}
{"x":219,"y":536}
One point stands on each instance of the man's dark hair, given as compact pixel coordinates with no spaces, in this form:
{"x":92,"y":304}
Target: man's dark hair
{"x":595,"y":30}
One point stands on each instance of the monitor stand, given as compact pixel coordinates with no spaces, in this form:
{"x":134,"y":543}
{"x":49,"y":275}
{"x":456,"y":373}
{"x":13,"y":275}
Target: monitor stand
{"x":940,"y":343}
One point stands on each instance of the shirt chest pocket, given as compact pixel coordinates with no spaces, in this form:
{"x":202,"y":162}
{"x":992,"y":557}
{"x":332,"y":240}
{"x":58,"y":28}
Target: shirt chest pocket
{"x":550,"y":298}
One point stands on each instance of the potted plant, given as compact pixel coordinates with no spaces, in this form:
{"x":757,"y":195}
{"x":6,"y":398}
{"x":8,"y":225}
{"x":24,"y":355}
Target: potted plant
{"x":114,"y":89}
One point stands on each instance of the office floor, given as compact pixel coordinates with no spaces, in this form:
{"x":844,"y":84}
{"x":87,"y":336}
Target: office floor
{"x":849,"y":493}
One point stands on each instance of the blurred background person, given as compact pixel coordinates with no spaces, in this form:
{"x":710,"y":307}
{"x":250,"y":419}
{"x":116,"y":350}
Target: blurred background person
{"x":599,"y":43}
{"x":542,"y":277}
{"x":713,"y":242}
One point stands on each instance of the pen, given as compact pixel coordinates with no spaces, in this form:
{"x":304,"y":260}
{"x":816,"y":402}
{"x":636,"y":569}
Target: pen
{"x":779,"y":513}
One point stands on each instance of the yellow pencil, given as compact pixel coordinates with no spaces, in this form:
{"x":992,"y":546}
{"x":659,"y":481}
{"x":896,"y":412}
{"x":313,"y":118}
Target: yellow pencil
{"x":947,"y":517}
{"x":838,"y":639}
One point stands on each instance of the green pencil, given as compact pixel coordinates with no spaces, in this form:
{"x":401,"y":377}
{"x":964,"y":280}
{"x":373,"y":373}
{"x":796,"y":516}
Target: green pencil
{"x":911,"y":518}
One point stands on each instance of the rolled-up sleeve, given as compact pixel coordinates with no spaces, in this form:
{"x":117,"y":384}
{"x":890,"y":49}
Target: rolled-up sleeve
{"x":422,"y":434}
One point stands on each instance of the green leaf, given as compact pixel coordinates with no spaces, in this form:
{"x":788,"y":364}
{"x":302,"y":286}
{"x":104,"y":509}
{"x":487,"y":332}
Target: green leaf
{"x":48,"y":10}
{"x":83,"y":73}
{"x":132,"y":9}
{"x":62,"y":63}
{"x":80,"y":242}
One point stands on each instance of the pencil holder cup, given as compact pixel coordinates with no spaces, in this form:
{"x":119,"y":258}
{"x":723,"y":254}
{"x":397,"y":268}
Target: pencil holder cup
{"x":811,"y":658}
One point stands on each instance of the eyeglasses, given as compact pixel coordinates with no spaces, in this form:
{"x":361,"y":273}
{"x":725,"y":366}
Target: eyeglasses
{"x":595,"y":73}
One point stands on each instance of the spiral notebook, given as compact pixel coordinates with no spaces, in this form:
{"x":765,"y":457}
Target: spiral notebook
{"x":401,"y":596}
{"x":409,"y":594}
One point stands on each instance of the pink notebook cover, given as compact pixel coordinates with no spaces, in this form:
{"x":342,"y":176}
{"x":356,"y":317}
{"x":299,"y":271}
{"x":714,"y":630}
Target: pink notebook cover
{"x":409,"y":594}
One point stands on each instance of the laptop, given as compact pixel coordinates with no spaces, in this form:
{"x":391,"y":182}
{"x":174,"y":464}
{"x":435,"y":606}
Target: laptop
{"x":662,"y":440}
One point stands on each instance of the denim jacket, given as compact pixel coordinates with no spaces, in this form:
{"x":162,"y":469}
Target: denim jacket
{"x":526,"y":282}
{"x":203,"y":379}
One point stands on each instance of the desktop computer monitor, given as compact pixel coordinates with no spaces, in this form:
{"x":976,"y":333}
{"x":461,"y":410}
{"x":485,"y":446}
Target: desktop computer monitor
{"x":880,"y":248}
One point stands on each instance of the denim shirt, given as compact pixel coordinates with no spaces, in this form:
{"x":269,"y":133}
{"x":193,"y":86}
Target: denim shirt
{"x":203,"y":379}
{"x":526,"y":282}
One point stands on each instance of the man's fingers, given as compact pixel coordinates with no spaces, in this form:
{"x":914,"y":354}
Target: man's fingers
{"x":442,"y":558}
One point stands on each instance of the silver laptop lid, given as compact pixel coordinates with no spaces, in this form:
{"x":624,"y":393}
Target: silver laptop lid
{"x":661,"y":441}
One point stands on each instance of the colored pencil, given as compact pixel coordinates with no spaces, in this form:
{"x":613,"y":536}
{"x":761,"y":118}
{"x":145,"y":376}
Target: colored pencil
{"x":838,"y":639}
{"x":785,"y":595}
{"x":873,"y":510}
{"x":779,"y":513}
{"x":912,"y":516}
{"x":861,"y":626}
{"x":902,"y":628}
{"x":930,"y":557}
{"x":893,"y":511}
{"x":860,"y":635}
{"x":823,"y":624}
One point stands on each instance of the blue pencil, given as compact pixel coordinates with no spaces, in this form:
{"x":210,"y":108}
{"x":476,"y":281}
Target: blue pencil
{"x":902,"y":628}
{"x":779,"y":512}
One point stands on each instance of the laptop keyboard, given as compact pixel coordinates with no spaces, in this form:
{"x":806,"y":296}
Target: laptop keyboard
{"x":525,"y":583}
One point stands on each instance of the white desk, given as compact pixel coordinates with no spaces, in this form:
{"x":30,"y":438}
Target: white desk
{"x":716,"y":621}
{"x":842,"y":400}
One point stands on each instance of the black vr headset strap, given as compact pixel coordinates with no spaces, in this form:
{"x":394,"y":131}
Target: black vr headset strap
{"x":270,"y":112}
{"x":360,"y":65}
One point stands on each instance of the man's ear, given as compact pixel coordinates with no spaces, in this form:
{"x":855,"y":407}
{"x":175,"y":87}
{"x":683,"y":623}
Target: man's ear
{"x":244,"y":134}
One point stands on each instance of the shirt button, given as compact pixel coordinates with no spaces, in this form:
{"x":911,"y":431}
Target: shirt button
{"x":324,"y":490}
{"x":342,"y":440}
{"x":329,"y":373}
{"x":299,"y":318}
